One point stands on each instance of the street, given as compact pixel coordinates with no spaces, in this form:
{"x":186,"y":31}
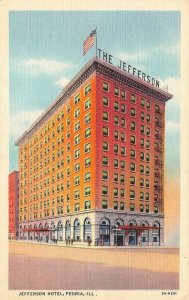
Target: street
{"x":54,"y":267}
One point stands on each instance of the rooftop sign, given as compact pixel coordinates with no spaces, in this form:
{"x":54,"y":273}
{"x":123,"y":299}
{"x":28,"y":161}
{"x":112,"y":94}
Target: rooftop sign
{"x":127,"y":68}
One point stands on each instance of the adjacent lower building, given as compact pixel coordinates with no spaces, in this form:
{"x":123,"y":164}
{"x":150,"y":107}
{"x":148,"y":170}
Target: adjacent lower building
{"x":92,"y":166}
{"x":13,"y":204}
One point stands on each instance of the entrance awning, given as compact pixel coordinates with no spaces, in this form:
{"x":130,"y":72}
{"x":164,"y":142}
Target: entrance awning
{"x":36,"y":229}
{"x":135,"y":227}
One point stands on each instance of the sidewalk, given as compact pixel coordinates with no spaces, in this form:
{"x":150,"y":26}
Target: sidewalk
{"x":85,"y":245}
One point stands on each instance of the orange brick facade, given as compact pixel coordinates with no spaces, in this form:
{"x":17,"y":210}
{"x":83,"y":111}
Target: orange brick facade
{"x":95,"y":160}
{"x":13,"y":204}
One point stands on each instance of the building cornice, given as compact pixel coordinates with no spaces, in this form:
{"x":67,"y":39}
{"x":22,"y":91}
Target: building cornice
{"x":100,"y":67}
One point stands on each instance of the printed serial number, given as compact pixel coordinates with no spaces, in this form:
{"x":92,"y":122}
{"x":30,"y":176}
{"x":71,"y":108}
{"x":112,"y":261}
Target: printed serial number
{"x":169,"y":293}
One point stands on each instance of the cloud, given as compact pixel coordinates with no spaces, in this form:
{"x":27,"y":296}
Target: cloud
{"x":134,"y":56}
{"x":170,"y":50}
{"x":21,"y":121}
{"x":62,"y":82}
{"x":43,"y":66}
{"x":172,"y":125}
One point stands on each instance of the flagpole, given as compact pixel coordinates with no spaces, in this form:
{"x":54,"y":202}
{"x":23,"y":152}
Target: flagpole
{"x":96,"y":43}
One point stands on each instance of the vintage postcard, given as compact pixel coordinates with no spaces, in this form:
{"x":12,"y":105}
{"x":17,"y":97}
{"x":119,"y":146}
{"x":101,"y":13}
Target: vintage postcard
{"x":94,"y":150}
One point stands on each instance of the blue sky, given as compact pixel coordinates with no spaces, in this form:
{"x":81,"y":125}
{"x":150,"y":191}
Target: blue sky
{"x":46,"y":52}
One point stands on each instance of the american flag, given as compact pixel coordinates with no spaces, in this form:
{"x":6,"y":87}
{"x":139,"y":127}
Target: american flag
{"x":89,"y":42}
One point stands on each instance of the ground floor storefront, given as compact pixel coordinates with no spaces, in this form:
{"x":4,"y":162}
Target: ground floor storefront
{"x":97,"y":228}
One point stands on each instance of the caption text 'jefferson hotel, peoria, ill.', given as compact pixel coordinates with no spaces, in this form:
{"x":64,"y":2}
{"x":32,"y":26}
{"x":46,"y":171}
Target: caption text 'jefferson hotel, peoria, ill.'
{"x":92,"y":166}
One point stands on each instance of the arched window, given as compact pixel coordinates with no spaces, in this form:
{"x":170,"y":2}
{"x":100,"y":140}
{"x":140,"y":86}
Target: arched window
{"x":87,"y":229}
{"x":67,"y":230}
{"x":60,"y":231}
{"x":76,"y":230}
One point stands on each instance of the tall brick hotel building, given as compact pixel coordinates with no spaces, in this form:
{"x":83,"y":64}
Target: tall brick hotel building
{"x":92,"y":166}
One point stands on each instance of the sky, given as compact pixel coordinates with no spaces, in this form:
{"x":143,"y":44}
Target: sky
{"x":45,"y":51}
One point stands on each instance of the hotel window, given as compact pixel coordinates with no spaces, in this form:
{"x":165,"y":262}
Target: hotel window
{"x":133,"y":140}
{"x":116,"y":91}
{"x":68,"y":184}
{"x":123,"y":122}
{"x":87,"y":132}
{"x":132,"y":194}
{"x":122,"y":178}
{"x":148,"y":105}
{"x":68,"y":109}
{"x":77,"y":113}
{"x":115,"y":192}
{"x":77,"y":126}
{"x":142,"y":129}
{"x":123,"y":151}
{"x":105,"y":131}
{"x":68,"y":171}
{"x":68,"y":148}
{"x":122,"y":164}
{"x":132,"y":180}
{"x":133,"y":112}
{"x":87,"y":176}
{"x":123,"y":108}
{"x":142,"y":156}
{"x":133,"y":98}
{"x":122,"y":193}
{"x":141,"y":169}
{"x":77,"y":167}
{"x":147,"y":183}
{"x":156,"y":108}
{"x":141,"y":196}
{"x":123,"y":94}
{"x":105,"y":146}
{"x":77,"y":139}
{"x":156,"y":210}
{"x":105,"y":161}
{"x":147,"y":157}
{"x":87,"y":204}
{"x":53,"y":134}
{"x":68,"y":121}
{"x":68,"y":209}
{"x":132,"y":167}
{"x":104,"y":175}
{"x":132,"y":207}
{"x":122,"y":206}
{"x":77,"y":153}
{"x":116,"y":149}
{"x":105,"y":116}
{"x":87,"y":104}
{"x":133,"y":126}
{"x":147,"y":196}
{"x":116,"y":120}
{"x":105,"y":101}
{"x":104,"y":190}
{"x":87,"y":89}
{"x":147,"y":144}
{"x":141,"y":207}
{"x":142,"y":116}
{"x":115,"y":163}
{"x":147,"y":208}
{"x":105,"y":87}
{"x":104,"y":204}
{"x":147,"y":171}
{"x":68,"y":134}
{"x":77,"y":207}
{"x":115,"y":177}
{"x":87,"y":147}
{"x":68,"y":159}
{"x":142,"y":103}
{"x":87,"y":162}
{"x":132,"y":153}
{"x":148,"y":131}
{"x":77,"y":99}
{"x":77,"y":180}
{"x":142,"y":143}
{"x":148,"y":118}
{"x":87,"y":118}
{"x":141,"y":182}
{"x":115,"y":205}
{"x":116,"y":106}
{"x":87,"y":191}
{"x":122,"y":136}
{"x":116,"y":134}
